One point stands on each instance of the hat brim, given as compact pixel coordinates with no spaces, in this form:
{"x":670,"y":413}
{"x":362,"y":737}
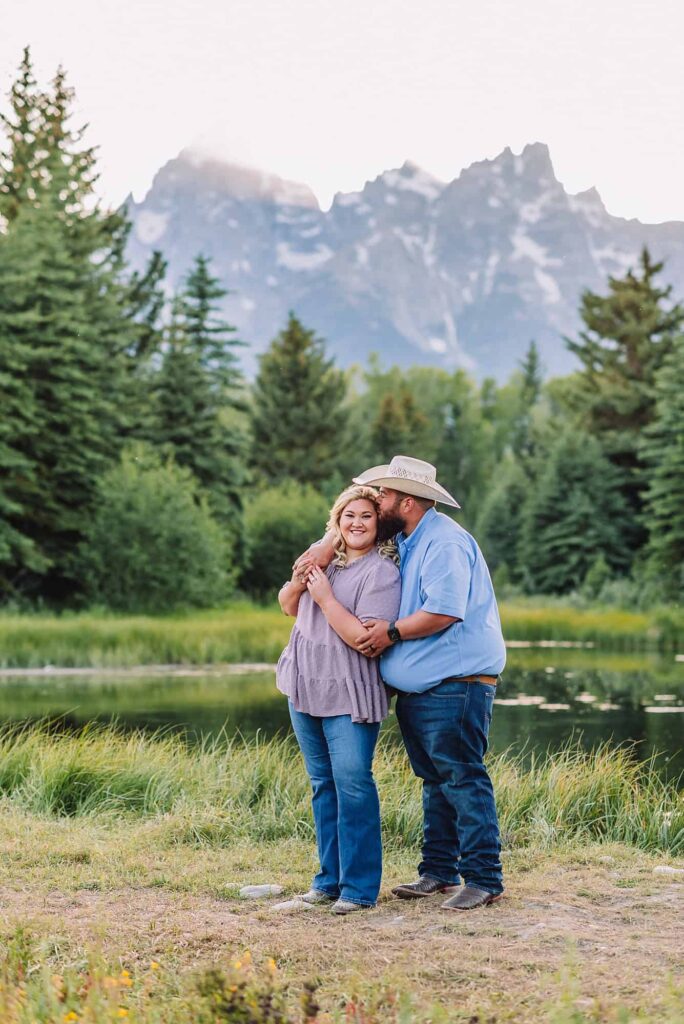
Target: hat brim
{"x":378,"y":476}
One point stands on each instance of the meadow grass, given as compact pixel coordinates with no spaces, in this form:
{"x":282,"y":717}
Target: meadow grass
{"x":246,"y":991}
{"x":230,"y":789}
{"x":247,"y":633}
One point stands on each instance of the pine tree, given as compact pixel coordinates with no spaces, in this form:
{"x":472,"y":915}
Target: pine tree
{"x":522,"y":441}
{"x":61,"y":384}
{"x":574,"y":513}
{"x":499,"y":522}
{"x":297,"y":409}
{"x":196,"y":390}
{"x":64,"y":333}
{"x":20,"y":162}
{"x":399,"y":428}
{"x":663,"y":452}
{"x":628,"y":334}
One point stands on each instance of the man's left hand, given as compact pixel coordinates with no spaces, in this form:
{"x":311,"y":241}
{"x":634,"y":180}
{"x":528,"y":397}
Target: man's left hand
{"x":375,"y":640}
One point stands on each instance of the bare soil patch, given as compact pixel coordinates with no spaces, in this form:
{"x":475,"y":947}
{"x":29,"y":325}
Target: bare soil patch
{"x":620,"y":935}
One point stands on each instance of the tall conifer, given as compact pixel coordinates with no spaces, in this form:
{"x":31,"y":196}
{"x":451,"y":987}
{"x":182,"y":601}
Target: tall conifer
{"x":628,"y":334}
{"x":663,"y":453}
{"x":297,"y":409}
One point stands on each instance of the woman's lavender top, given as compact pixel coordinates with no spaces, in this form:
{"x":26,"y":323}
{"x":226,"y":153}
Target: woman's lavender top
{"x":320,"y":674}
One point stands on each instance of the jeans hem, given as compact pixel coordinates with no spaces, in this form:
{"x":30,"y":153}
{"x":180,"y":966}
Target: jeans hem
{"x":486,"y":888}
{"x":327,"y":892}
{"x":439,"y":878}
{"x":358,"y":903}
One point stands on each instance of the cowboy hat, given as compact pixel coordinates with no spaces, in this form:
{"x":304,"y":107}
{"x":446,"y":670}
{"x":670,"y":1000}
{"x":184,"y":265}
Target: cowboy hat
{"x":412,"y":476}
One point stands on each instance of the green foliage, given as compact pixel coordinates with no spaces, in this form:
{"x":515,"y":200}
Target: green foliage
{"x":67,"y":339}
{"x":598,"y":575}
{"x":574,"y":513}
{"x":499,"y":521}
{"x":195,"y":391}
{"x":280,"y":523}
{"x":628,"y":334}
{"x":297,"y":410}
{"x":399,"y":427}
{"x":259,"y":790}
{"x":152,"y":543}
{"x":663,"y":452}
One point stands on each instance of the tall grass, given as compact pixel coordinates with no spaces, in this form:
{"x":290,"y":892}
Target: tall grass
{"x":244,"y":633}
{"x":258,"y":790}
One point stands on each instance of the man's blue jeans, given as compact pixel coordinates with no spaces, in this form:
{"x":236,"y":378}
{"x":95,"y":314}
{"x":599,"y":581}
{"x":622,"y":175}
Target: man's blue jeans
{"x":445,"y":732}
{"x":338,"y":755}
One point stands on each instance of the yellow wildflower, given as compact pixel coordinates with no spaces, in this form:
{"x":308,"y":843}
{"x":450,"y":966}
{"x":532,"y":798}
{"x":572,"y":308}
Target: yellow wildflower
{"x":247,"y":957}
{"x":71,"y":1015}
{"x":237,"y":965}
{"x":272,"y":966}
{"x":123,"y":1012}
{"x":155,"y":966}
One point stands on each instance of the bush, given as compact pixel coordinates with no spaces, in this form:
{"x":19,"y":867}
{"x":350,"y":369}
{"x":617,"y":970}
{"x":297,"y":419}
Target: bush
{"x":280,"y":522}
{"x":153,"y":545}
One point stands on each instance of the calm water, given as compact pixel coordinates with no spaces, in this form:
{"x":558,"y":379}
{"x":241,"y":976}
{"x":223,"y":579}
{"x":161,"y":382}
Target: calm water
{"x":546,"y":696}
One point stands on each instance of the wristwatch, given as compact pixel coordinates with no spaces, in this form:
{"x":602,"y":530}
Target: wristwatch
{"x":393,"y":633}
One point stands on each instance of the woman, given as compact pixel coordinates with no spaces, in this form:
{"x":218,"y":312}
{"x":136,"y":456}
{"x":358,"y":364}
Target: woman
{"x":337,"y":699}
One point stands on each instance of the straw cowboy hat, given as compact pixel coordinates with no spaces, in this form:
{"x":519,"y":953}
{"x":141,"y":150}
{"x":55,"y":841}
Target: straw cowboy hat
{"x":412,"y":476}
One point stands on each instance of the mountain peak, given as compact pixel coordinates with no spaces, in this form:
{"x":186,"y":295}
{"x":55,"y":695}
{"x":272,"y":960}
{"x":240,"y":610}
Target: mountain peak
{"x":200,"y":166}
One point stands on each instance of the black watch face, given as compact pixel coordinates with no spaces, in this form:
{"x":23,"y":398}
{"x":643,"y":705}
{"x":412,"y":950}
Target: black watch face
{"x":394,"y":634}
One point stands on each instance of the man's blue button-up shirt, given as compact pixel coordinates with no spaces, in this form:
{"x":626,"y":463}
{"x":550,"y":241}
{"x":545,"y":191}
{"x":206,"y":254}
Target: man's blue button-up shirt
{"x":443,"y":571}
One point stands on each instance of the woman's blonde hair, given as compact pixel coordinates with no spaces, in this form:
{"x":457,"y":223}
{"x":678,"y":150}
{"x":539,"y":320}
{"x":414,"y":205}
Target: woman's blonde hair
{"x":387,"y":548}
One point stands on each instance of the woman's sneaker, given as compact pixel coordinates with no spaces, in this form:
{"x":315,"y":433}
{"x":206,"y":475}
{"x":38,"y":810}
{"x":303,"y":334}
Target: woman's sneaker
{"x":316,"y":897}
{"x":347,"y":907}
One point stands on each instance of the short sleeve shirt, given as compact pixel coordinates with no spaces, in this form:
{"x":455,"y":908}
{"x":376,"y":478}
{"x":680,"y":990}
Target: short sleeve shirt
{"x":444,"y":572}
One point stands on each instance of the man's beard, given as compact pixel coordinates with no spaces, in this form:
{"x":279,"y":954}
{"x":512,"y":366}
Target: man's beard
{"x":389,"y":524}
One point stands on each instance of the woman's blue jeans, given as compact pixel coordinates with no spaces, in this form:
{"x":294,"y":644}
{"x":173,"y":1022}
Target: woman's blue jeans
{"x":445,"y":731}
{"x":338,"y":755}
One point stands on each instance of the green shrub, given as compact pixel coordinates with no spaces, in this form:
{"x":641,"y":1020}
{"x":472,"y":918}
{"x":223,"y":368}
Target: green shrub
{"x":153,"y":545}
{"x":280,"y":522}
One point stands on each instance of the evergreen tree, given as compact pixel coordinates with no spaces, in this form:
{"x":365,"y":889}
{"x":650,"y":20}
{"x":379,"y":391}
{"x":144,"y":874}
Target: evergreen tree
{"x":499,"y":521}
{"x":628,"y":334}
{"x":195,"y":388}
{"x":60,"y":381}
{"x":574,"y":513}
{"x":663,"y":452}
{"x":522,"y":441}
{"x":24,"y":129}
{"x":63,"y":337}
{"x":399,"y":428}
{"x":297,"y":413}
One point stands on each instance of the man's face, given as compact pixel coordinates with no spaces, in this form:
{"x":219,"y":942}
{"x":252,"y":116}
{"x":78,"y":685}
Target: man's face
{"x":391,"y":520}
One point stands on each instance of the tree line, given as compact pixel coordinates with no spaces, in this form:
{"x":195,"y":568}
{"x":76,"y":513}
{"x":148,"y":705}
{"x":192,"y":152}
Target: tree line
{"x":140,"y":470}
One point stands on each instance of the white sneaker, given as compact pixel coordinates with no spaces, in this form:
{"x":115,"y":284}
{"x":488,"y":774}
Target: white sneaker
{"x":347,"y":907}
{"x":316,"y":897}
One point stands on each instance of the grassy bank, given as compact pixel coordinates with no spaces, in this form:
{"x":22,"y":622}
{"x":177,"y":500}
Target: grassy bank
{"x":258,"y":790}
{"x":245,"y":633}
{"x":121,"y":861}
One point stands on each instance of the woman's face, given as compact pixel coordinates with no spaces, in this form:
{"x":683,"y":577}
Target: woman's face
{"x":359,"y":524}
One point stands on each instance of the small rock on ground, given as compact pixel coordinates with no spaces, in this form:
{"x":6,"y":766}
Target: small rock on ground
{"x":256,"y":892}
{"x":293,"y":905}
{"x":666,"y":869}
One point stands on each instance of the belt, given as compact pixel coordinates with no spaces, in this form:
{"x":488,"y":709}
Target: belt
{"x":490,"y":680}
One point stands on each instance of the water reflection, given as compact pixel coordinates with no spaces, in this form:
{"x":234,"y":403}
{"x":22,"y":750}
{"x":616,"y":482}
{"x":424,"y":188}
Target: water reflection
{"x":545,"y":698}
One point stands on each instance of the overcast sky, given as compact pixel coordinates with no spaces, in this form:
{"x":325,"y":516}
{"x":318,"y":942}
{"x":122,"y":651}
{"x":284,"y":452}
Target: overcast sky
{"x":332,"y":92}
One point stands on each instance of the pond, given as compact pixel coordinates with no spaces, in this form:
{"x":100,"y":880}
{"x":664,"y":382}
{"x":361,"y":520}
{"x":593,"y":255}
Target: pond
{"x":548,"y":694}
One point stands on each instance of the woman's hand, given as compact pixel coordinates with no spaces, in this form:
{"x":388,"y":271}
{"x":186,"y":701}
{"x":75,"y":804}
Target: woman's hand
{"x":318,"y":586}
{"x":300,"y":578}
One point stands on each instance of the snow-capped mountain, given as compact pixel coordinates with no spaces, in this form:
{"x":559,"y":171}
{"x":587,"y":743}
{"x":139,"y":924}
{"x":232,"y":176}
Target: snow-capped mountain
{"x":463,"y":273}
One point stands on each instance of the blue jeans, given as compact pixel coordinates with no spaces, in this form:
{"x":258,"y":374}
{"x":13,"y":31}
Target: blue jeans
{"x":445,"y":732}
{"x":338,"y":755}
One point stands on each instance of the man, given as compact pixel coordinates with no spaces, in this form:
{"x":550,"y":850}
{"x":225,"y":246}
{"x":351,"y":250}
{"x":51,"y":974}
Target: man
{"x":443,"y":656}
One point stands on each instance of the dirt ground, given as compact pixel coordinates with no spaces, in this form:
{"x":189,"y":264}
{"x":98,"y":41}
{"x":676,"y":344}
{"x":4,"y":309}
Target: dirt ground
{"x":609,"y":932}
